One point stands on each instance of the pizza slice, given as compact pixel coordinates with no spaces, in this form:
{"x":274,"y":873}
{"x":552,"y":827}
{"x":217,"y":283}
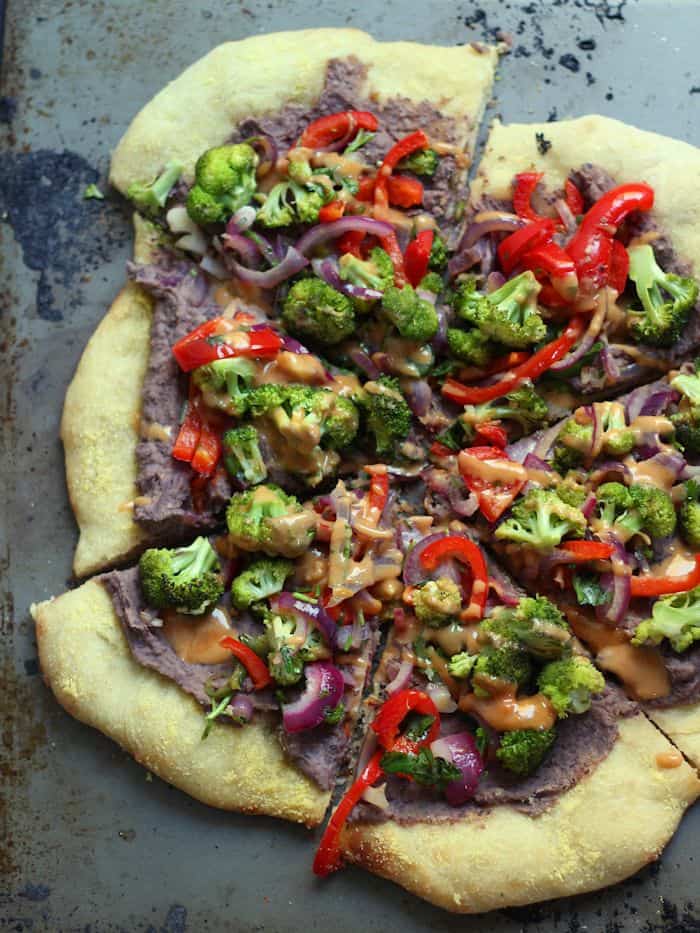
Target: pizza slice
{"x":338,"y":173}
{"x":600,"y":512}
{"x":493,"y":768}
{"x":575,"y":271}
{"x":233,"y":667}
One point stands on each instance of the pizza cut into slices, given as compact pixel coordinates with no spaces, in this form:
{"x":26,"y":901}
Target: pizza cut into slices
{"x":343,"y":163}
{"x":600,"y":512}
{"x":493,"y":770}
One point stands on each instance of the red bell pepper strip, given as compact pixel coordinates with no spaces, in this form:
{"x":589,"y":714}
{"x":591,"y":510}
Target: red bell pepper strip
{"x":378,"y":491}
{"x":469,"y":554}
{"x":197,"y":348}
{"x":664,"y":586}
{"x":390,"y":245}
{"x":493,"y":498}
{"x":404,"y":191}
{"x":551,"y":298}
{"x":188,"y":435}
{"x":208,"y":451}
{"x":441,"y":450}
{"x":329,"y":129}
{"x":538,"y":363}
{"x":334,"y":210}
{"x":256,"y":667}
{"x":417,"y":256}
{"x":513,"y":248}
{"x":492,"y":432}
{"x":387,"y":722}
{"x":499,"y":365}
{"x":404,"y":147}
{"x":573,"y":197}
{"x":591,"y":245}
{"x":587,"y":550}
{"x":619,"y":267}
{"x":328,"y":858}
{"x":525,"y":184}
{"x":365,"y":189}
{"x":350,"y":243}
{"x":550,"y":260}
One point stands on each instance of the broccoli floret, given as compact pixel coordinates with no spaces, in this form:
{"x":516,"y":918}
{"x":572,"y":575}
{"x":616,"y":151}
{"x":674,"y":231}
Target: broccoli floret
{"x":187,"y":578}
{"x":420,"y":162}
{"x":413,"y":317}
{"x":571,"y":445}
{"x":571,"y":492}
{"x":618,"y":439}
{"x":387,"y":413}
{"x":667,"y":299}
{"x":437,"y":602}
{"x":614,"y":506}
{"x":307,"y":415}
{"x":569,"y":684}
{"x":508,"y":315}
{"x":523,"y":750}
{"x":676,"y":618}
{"x":264,"y":398}
{"x":535,"y":626}
{"x":461,"y":665}
{"x":686,"y":420}
{"x":688,"y":384}
{"x":437,"y":261}
{"x":267,"y":519}
{"x":225,"y":383}
{"x":263,"y":578}
{"x":376,"y":272}
{"x":287,"y":657}
{"x":242,"y":457}
{"x":290,"y":202}
{"x":507,"y":663}
{"x":340,"y":427}
{"x":150,"y":198}
{"x":469,"y":346}
{"x":314,"y":310}
{"x":655,"y":508}
{"x":431,"y":282}
{"x":690,"y":514}
{"x":541,"y":520}
{"x":224,"y":181}
{"x":523,"y":406}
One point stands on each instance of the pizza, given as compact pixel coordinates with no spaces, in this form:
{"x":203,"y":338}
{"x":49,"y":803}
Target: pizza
{"x":398,"y":474}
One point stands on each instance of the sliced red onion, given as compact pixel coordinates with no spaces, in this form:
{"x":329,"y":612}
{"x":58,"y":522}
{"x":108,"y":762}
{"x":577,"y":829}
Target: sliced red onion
{"x":243,"y":246}
{"x":494,"y":280}
{"x":214,"y":267}
{"x":545,"y":440}
{"x":610,"y":367}
{"x":266,"y":148}
{"x":241,"y":708}
{"x":425,"y":295}
{"x":323,"y":691}
{"x":414,"y":572}
{"x":463,"y":261}
{"x":617,"y":584}
{"x":441,"y":697}
{"x":504,"y":590}
{"x":589,"y":505}
{"x":313,"y":612}
{"x":673,"y":461}
{"x":580,"y":350}
{"x":327,"y":269}
{"x":419,"y":396}
{"x":597,"y":423}
{"x":364,"y":362}
{"x":451,"y":487}
{"x":501,"y":223}
{"x":402,"y":678}
{"x":604,"y":471}
{"x":321,"y":233}
{"x":241,"y":220}
{"x":533,"y":462}
{"x":292,"y":263}
{"x":293,"y":346}
{"x":652,"y":399}
{"x":349,"y":678}
{"x":566,"y":215}
{"x":461,"y":750}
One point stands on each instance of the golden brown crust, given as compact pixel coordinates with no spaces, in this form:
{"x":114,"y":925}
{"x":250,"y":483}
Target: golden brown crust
{"x":87,"y":664}
{"x":200,"y":108}
{"x":603,"y":830}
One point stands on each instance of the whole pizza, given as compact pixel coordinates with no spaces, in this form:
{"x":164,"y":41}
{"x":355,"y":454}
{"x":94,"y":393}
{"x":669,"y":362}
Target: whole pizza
{"x":387,"y":471}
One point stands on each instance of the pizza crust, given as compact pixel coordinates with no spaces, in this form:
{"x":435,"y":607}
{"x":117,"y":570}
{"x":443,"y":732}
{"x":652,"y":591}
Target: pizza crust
{"x":600,"y":832}
{"x":682,"y":725}
{"x":87,"y":664}
{"x":670,"y":166}
{"x":201,"y":107}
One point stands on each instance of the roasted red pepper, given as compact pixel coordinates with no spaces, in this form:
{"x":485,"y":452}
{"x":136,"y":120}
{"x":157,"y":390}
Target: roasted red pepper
{"x":350,"y":243}
{"x":581,"y":551}
{"x":188,"y":435}
{"x":493,"y":497}
{"x":591,"y":245}
{"x":469,"y":554}
{"x":404,"y":147}
{"x":551,"y":261}
{"x":208,"y":451}
{"x":378,"y":490}
{"x":573,"y":197}
{"x":516,"y":245}
{"x":365,"y":189}
{"x":335,"y":126}
{"x":525,"y":184}
{"x":256,"y":667}
{"x":619,"y":267}
{"x":332,"y":211}
{"x":664,"y":586}
{"x":199,"y":347}
{"x":492,"y":432}
{"x":417,"y":256}
{"x":500,"y":365}
{"x":538,"y":363}
{"x":404,"y":191}
{"x":390,"y":245}
{"x":328,"y":858}
{"x":440,"y":450}
{"x":387,"y":722}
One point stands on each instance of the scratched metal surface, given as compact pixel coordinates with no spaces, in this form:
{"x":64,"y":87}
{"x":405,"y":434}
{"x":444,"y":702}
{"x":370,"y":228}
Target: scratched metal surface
{"x":87,"y":841}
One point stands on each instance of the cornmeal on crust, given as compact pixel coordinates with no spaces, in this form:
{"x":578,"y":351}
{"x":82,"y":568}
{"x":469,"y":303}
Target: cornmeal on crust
{"x":87,"y":664}
{"x":603,"y":830}
{"x":682,"y":725}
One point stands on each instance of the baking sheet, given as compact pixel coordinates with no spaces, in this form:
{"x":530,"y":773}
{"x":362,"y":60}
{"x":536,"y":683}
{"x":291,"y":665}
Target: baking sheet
{"x":88,"y":840}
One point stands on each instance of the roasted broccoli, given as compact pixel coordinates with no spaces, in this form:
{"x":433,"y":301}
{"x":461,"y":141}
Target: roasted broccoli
{"x":569,"y":684}
{"x":437,"y":602}
{"x":523,"y":750}
{"x":470,"y":346}
{"x":224,"y":181}
{"x":431,"y":282}
{"x":541,"y":520}
{"x":150,"y":198}
{"x":508,"y":664}
{"x":387,"y":413}
{"x":314,"y":310}
{"x":267,"y":519}
{"x":224,"y":384}
{"x":522,"y":406}
{"x":690,"y":514}
{"x":666,"y":299}
{"x":307,"y":415}
{"x":287,"y":656}
{"x":686,"y":420}
{"x":572,"y":444}
{"x":571,"y":492}
{"x":637,"y":508}
{"x":262,"y":578}
{"x":535,"y":625}
{"x":376,"y":272}
{"x":437,"y":260}
{"x":187,"y":579}
{"x":508,"y":315}
{"x":413,"y":317}
{"x":420,"y":162}
{"x":676,"y":618}
{"x":242,"y":457}
{"x":461,"y":665}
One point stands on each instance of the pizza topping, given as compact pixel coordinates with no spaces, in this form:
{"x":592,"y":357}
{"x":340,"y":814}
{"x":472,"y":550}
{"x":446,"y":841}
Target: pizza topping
{"x":492,"y":477}
{"x":225,"y":180}
{"x":322,"y":694}
{"x":151,"y":198}
{"x":336,"y":131}
{"x":666,"y":299}
{"x":187,"y":579}
{"x":267,"y":519}
{"x":255,"y":666}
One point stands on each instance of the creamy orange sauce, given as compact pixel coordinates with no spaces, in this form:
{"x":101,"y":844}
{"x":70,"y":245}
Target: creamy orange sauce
{"x":639,"y":356}
{"x":492,"y":471}
{"x":640,"y":668}
{"x":290,"y":367}
{"x":152,"y":431}
{"x":195,"y":639}
{"x":679,"y":562}
{"x":672,"y":759}
{"x":651,"y":472}
{"x":455,"y":638}
{"x":504,"y":711}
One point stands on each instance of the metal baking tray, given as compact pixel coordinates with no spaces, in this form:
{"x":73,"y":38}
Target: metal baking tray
{"x":88,"y":840}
